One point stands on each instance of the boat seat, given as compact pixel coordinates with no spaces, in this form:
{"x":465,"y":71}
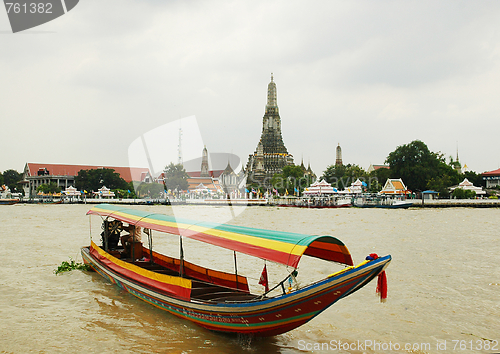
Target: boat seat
{"x":134,"y":249}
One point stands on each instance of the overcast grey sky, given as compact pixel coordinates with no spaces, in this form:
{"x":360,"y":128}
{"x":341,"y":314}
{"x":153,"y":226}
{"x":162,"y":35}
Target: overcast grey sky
{"x":370,"y":75}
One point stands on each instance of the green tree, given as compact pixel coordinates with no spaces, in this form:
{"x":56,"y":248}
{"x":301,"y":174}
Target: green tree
{"x":1,"y":178}
{"x":447,"y":175}
{"x":474,"y":178}
{"x":125,"y":193}
{"x":11,"y":178}
{"x":460,"y":193}
{"x":152,"y":190}
{"x":422,"y":169}
{"x":176,"y":177}
{"x":377,"y":179}
{"x":440,"y":184}
{"x":92,"y":180}
{"x":341,"y":176}
{"x":52,"y":187}
{"x":415,"y":164}
{"x":291,"y":179}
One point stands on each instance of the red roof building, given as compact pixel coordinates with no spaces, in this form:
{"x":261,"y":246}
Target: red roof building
{"x":36,"y":174}
{"x":492,"y":178}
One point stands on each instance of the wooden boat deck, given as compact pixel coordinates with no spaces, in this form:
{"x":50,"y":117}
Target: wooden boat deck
{"x":201,"y":290}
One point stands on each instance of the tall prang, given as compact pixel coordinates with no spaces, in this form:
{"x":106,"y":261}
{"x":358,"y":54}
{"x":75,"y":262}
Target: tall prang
{"x":204,"y":163}
{"x":271,"y":154}
{"x":338,"y":160}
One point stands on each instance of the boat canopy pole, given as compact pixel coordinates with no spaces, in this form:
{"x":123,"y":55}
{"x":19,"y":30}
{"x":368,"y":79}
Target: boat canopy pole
{"x":181,"y":265}
{"x":90,"y":226}
{"x":235,"y":269}
{"x":105,"y":224}
{"x":150,"y":241}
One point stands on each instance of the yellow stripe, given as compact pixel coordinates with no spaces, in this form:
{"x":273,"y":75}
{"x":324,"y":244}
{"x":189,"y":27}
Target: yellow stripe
{"x":167,"y":279}
{"x":247,"y":239}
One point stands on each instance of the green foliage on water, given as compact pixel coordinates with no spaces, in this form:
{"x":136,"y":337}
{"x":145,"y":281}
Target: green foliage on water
{"x":71,"y":265}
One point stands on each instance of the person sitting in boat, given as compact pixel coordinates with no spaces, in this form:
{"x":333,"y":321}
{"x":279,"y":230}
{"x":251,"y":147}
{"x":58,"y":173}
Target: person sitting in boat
{"x":134,"y":234}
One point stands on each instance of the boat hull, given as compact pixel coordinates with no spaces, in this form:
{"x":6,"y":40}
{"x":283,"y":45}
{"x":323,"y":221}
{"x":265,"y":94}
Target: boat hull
{"x":8,"y":201}
{"x":315,"y":206}
{"x":260,"y":317}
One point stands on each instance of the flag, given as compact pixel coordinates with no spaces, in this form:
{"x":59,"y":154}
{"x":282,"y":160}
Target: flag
{"x":263,"y":279}
{"x":247,"y":191}
{"x":253,"y":191}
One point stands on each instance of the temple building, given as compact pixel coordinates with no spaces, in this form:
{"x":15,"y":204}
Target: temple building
{"x":308,"y":172}
{"x":338,"y":159}
{"x":271,"y":154}
{"x":232,"y":183}
{"x":204,"y":163}
{"x":468,"y":186}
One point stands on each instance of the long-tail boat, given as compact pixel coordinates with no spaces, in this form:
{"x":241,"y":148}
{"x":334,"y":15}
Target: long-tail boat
{"x":222,"y":301}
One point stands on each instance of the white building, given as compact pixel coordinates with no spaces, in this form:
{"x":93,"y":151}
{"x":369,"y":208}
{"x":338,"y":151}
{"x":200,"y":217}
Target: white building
{"x":468,"y":186}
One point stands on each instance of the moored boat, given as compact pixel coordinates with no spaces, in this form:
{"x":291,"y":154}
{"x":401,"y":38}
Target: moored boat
{"x":381,"y":201}
{"x":318,"y":202}
{"x":6,"y":196}
{"x":8,"y":201}
{"x":218,"y":300}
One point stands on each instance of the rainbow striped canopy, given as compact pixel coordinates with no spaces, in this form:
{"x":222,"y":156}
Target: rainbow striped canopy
{"x":281,"y":247}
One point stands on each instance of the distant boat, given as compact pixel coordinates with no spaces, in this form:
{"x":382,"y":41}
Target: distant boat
{"x":6,"y":196}
{"x":50,"y":202}
{"x":318,"y":203}
{"x":218,"y":300}
{"x":8,"y":201}
{"x":379,"y":201}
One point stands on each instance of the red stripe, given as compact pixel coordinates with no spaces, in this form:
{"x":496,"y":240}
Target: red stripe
{"x":170,"y":289}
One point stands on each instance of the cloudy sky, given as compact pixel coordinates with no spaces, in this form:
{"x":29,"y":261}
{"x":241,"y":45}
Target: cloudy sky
{"x":368,"y":75}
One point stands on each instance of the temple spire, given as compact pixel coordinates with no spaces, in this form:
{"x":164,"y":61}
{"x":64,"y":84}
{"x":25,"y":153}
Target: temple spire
{"x":338,"y":159}
{"x":272,"y":97}
{"x":271,"y":154}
